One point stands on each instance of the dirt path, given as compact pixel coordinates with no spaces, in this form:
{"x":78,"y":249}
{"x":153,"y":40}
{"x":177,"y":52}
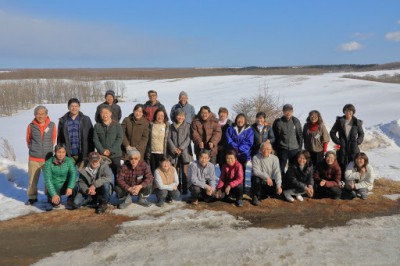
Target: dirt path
{"x":27,"y":239}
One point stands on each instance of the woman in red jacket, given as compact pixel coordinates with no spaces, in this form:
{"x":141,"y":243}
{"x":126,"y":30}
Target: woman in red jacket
{"x":327,"y":177}
{"x":231,"y":179}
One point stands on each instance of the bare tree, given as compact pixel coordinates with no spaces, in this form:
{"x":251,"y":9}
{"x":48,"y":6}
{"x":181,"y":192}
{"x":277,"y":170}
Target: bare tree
{"x":263,"y":101}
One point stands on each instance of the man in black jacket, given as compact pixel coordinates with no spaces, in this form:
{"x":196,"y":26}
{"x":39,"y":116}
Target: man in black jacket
{"x":75,"y":131}
{"x":288,"y":136}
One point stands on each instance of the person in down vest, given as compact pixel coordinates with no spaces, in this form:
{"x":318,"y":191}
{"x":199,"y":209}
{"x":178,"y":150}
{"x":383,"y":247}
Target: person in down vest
{"x":298,"y":179}
{"x":240,"y":137}
{"x":231,"y":179}
{"x":351,"y":135}
{"x":316,"y":137}
{"x":41,"y":136}
{"x":359,"y":176}
{"x":166,"y":182}
{"x":327,"y":177}
{"x":75,"y":130}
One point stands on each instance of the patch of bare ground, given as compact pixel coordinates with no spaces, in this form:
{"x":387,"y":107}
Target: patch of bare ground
{"x":314,"y":213}
{"x":27,"y":239}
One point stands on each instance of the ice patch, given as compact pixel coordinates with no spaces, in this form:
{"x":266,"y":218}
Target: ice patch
{"x":393,"y":196}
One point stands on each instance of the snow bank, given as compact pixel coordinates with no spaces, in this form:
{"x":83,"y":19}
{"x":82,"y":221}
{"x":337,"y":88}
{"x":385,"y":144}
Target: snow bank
{"x":392,"y":130}
{"x":187,"y":237}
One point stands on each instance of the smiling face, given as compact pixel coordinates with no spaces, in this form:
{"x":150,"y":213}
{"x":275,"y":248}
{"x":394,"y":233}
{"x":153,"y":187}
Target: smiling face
{"x":160,"y":117}
{"x":230,"y":159}
{"x":105,"y":115}
{"x":260,"y":120}
{"x":330,"y":159}
{"x":204,"y":159}
{"x":222,"y":116}
{"x":165,"y":166}
{"x":266,"y":150}
{"x":302,"y":160}
{"x":138,"y":113}
{"x":41,"y":116}
{"x":180,"y":118}
{"x":240,"y":121}
{"x":183,"y":100}
{"x":134,"y":160}
{"x":204,"y":114}
{"x":360,"y":162}
{"x":152,"y":97}
{"x":74,"y":108}
{"x":348,"y":114}
{"x":314,"y":118}
{"x":109,"y":99}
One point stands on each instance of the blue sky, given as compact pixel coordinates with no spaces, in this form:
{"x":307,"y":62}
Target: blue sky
{"x":202,"y":33}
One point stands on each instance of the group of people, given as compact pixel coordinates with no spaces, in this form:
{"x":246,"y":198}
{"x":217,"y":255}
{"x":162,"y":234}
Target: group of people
{"x":157,"y":155}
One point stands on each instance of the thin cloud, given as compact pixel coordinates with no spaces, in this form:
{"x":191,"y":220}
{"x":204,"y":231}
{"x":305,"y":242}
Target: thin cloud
{"x":393,"y":36}
{"x":350,"y":47}
{"x":398,"y":22}
{"x":363,"y":36}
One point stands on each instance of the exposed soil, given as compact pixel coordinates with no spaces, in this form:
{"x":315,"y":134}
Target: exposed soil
{"x":27,"y":239}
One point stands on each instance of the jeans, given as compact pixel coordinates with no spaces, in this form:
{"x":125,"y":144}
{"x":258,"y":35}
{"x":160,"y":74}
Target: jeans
{"x":163,"y":194}
{"x":103,"y":195}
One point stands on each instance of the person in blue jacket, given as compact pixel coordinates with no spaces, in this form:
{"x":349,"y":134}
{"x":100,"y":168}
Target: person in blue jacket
{"x":240,"y":138}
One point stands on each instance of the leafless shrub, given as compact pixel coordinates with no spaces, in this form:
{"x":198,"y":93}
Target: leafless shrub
{"x":261,"y":102}
{"x":8,"y":150}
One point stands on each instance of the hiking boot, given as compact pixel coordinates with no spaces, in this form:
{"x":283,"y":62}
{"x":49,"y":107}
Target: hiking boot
{"x":168,"y":199}
{"x":125,"y":202}
{"x":102,"y":208}
{"x":160,"y":203}
{"x":144,"y":202}
{"x":31,"y":201}
{"x":255,"y":201}
{"x":239,"y":203}
{"x":299,"y":197}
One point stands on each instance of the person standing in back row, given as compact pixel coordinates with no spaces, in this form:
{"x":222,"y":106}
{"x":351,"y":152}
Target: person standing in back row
{"x":75,"y":131}
{"x":185,"y":106}
{"x":151,"y":106}
{"x":351,"y":135}
{"x":41,"y":137}
{"x":288,"y":136}
{"x":111,"y":102}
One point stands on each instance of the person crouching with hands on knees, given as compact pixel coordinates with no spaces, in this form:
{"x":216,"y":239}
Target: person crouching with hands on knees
{"x":266,"y":174}
{"x":202,"y":178}
{"x":135,"y":179}
{"x":95,"y":183}
{"x":298,"y":179}
{"x":60,"y":177}
{"x":231,"y":179}
{"x":359,"y":176}
{"x":327,"y":177}
{"x":166,"y":182}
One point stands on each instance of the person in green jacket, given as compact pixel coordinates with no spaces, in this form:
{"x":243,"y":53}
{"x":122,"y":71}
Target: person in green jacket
{"x":60,"y":176}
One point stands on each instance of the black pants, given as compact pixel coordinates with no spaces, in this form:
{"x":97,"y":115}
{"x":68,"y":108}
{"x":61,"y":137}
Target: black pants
{"x":244,"y":164}
{"x":286,"y":156}
{"x":260,"y":189}
{"x":163,"y":194}
{"x":328,"y":192}
{"x":236,"y":192}
{"x":155,"y":159}
{"x":115,"y":167}
{"x":316,"y":158}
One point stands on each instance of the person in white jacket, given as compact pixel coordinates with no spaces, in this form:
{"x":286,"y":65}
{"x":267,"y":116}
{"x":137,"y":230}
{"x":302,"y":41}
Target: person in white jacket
{"x":359,"y":177}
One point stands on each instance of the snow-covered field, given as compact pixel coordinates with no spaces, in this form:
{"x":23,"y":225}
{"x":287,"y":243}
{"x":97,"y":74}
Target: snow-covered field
{"x":216,"y":237}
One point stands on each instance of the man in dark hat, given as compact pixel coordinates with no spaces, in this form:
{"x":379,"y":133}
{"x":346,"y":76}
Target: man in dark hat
{"x":111,"y":101}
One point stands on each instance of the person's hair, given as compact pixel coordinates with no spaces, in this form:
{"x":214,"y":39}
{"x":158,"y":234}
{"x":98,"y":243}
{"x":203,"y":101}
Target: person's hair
{"x":287,"y":107}
{"x":59,"y":147}
{"x":39,"y":107}
{"x":180,"y":111}
{"x":261,"y":114}
{"x":223,"y":110}
{"x":363,"y":156}
{"x":137,"y":106}
{"x":151,"y":91}
{"x":163,"y":159}
{"x":350,"y":107}
{"x":231,"y":152}
{"x":73,"y":100}
{"x":205,"y":107}
{"x":320,"y":121}
{"x":305,"y":153}
{"x":241,"y":115}
{"x":330,"y":152}
{"x":204,"y":151}
{"x":132,"y":152}
{"x":265,"y":143}
{"x":163,"y":111}
{"x":107,"y":107}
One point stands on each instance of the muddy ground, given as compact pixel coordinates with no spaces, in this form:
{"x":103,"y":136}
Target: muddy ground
{"x":27,"y":239}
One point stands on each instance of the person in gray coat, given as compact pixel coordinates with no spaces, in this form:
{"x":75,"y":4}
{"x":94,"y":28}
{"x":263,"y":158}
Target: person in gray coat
{"x":95,"y":183}
{"x":179,"y":148}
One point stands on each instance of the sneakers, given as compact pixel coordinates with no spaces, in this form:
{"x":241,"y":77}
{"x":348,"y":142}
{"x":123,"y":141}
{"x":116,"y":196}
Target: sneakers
{"x":255,"y":201}
{"x":168,"y":200}
{"x":144,"y":202}
{"x":31,"y":201}
{"x":125,"y":202}
{"x":239,"y":203}
{"x":288,"y":195}
{"x":102,"y":208}
{"x":299,"y":197}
